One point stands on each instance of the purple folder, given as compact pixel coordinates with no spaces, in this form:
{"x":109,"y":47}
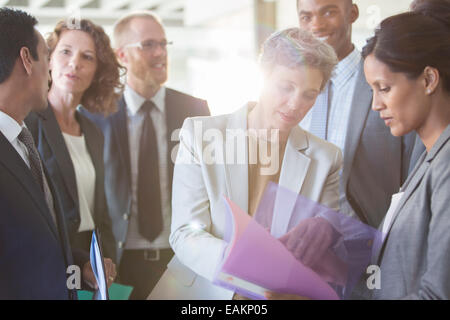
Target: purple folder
{"x":255,"y":261}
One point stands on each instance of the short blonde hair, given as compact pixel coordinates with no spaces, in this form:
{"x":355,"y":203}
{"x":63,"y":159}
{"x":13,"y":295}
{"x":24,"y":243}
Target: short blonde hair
{"x":122,"y":25}
{"x":294,"y":48}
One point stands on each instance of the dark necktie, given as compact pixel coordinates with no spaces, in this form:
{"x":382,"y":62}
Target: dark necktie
{"x":36,"y":168}
{"x":149,"y":193}
{"x":35,"y":161}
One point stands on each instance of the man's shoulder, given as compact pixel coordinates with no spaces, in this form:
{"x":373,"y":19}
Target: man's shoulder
{"x":175,"y":94}
{"x":188,"y":100}
{"x":90,"y":124}
{"x":98,"y":119}
{"x":191,"y":105}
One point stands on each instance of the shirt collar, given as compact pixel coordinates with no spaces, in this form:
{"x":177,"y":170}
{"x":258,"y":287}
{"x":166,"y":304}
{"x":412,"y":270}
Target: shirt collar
{"x":134,"y":100}
{"x":9,"y":127}
{"x":346,"y":68}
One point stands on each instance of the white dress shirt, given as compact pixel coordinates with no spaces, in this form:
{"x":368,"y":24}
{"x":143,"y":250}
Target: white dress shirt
{"x":135,"y":120}
{"x":85,"y":179}
{"x":11,"y":129}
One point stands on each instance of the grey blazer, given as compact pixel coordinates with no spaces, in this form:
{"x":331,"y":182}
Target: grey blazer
{"x":415,"y":258}
{"x":375,"y":162}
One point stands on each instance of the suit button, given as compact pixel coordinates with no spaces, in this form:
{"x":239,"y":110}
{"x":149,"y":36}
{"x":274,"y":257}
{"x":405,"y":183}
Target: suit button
{"x":120,"y":244}
{"x":125,"y":216}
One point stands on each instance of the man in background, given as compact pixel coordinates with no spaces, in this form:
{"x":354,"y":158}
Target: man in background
{"x":375,"y":163}
{"x":139,"y":140}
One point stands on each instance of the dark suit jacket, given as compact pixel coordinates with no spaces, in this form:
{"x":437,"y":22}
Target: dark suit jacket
{"x":56,"y":157}
{"x":375,"y":162}
{"x":34,"y":252}
{"x":178,"y":107}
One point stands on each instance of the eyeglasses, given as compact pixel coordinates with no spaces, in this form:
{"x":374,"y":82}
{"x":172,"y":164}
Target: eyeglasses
{"x":149,"y":45}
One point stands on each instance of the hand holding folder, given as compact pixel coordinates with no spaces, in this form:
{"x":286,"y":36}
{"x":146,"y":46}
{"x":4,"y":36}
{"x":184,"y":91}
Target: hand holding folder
{"x":321,"y":255}
{"x":101,"y":274}
{"x":310,"y":240}
{"x":257,"y":262}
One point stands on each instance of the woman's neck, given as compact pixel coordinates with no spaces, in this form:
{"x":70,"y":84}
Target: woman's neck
{"x":64,"y":106}
{"x":437,"y":121}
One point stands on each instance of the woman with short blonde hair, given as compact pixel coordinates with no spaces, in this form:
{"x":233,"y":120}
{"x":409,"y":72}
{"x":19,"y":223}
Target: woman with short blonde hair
{"x":295,"y":68}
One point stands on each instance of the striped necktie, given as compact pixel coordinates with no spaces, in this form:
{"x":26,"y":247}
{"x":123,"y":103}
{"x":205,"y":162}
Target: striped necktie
{"x":36,"y":169}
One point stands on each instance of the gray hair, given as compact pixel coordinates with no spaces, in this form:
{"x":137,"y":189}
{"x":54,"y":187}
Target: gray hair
{"x":294,"y":48}
{"x":122,"y":25}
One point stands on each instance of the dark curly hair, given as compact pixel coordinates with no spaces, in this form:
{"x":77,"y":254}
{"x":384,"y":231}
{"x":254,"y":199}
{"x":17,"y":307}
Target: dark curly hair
{"x":106,"y":87}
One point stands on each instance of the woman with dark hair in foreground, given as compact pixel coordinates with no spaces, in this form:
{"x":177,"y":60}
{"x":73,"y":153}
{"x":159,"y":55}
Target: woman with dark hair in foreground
{"x":408,"y":67}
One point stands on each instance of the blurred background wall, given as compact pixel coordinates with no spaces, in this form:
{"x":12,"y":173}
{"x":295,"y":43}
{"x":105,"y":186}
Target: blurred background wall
{"x":216,"y":42}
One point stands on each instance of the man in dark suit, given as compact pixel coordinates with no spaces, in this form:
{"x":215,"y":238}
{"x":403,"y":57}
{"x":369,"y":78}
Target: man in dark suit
{"x":140,"y":141}
{"x":375,"y":163}
{"x":35,"y":255}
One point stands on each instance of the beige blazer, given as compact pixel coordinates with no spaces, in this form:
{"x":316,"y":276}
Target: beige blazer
{"x":310,"y":167}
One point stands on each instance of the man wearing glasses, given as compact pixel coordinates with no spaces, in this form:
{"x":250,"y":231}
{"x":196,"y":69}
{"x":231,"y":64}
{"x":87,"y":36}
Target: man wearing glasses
{"x":138,"y":152}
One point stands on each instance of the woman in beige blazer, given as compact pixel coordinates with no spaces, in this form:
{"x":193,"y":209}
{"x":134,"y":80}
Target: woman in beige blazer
{"x":227,"y":156}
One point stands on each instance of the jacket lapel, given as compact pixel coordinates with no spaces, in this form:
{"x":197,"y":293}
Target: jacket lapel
{"x":17,"y":167}
{"x":236,"y":172}
{"x":120,"y":128}
{"x":61,"y":222}
{"x":415,"y":178}
{"x":361,"y":105}
{"x":53,"y":135}
{"x":293,"y":173}
{"x":411,"y":185}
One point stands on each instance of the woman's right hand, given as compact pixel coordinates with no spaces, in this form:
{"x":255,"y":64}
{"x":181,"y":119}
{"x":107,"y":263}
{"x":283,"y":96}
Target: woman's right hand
{"x":309,"y":241}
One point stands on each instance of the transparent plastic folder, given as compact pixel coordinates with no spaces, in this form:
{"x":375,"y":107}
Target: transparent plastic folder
{"x":256,"y":261}
{"x":98,"y":267}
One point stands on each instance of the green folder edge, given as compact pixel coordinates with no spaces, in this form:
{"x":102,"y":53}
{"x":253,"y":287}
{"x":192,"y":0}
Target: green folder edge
{"x":116,"y":292}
